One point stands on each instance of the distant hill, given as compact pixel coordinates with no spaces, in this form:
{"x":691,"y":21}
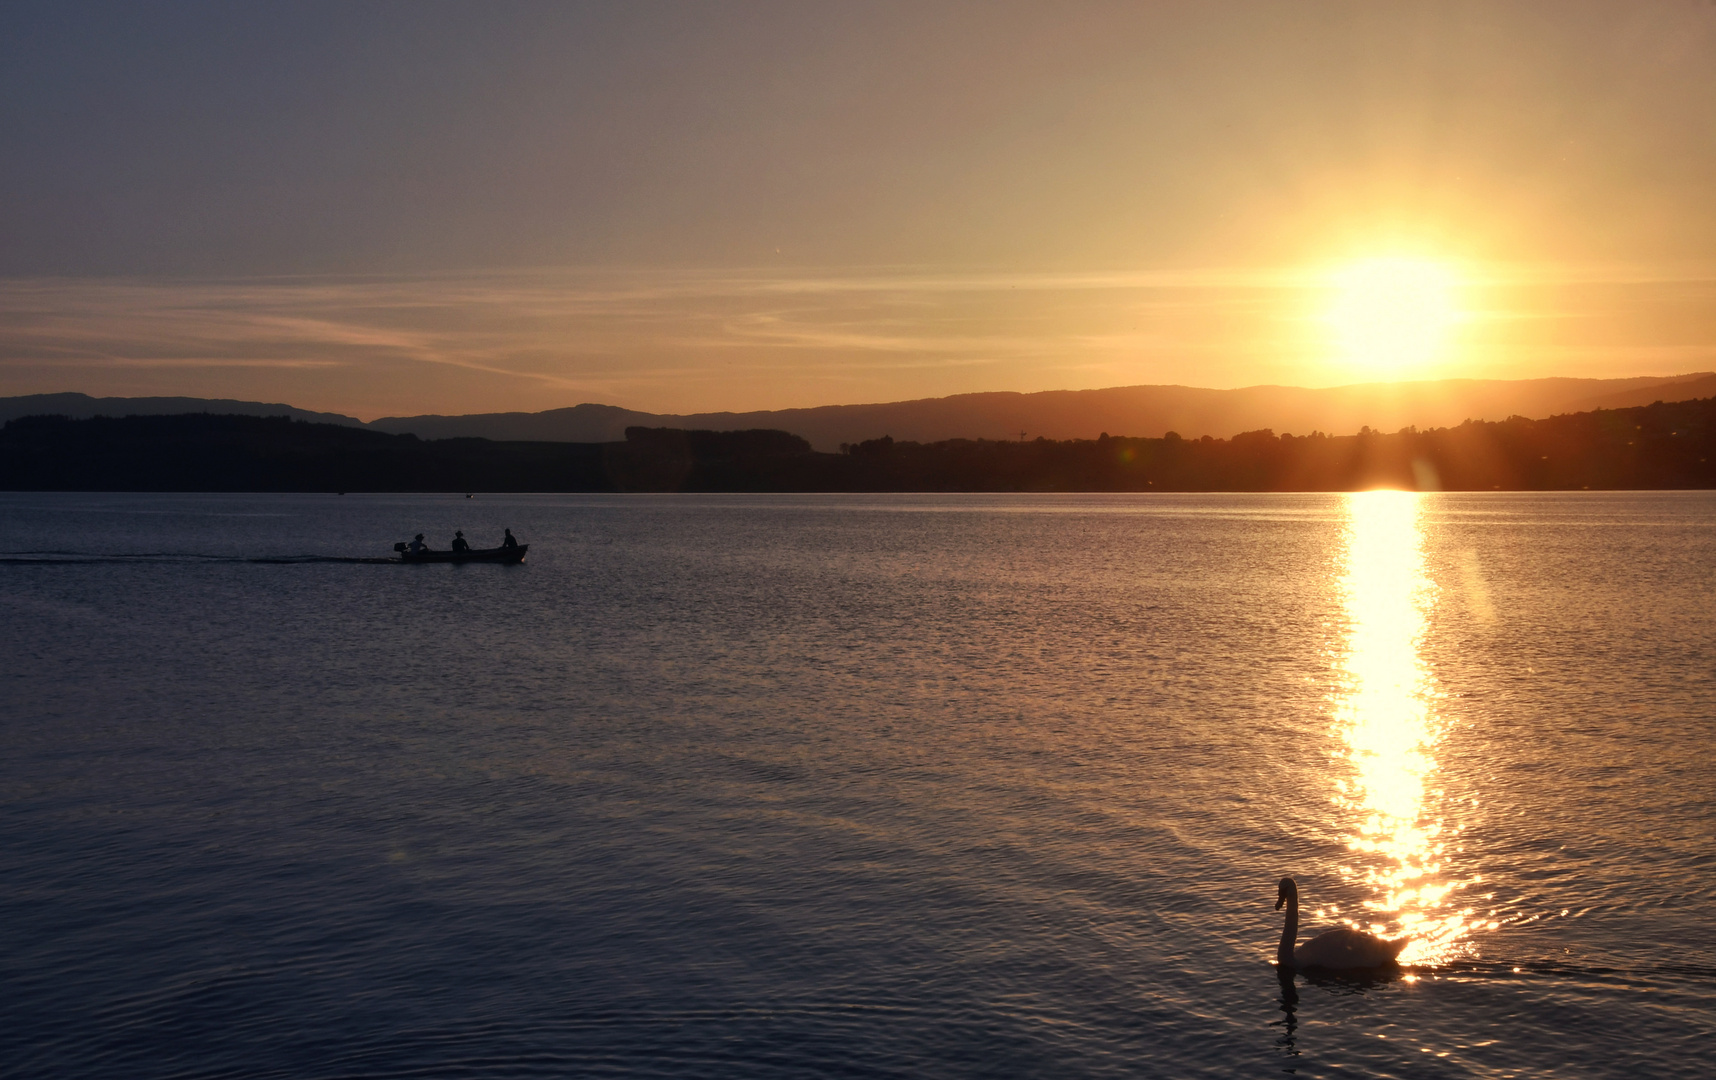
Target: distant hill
{"x":1143,"y":411}
{"x":1684,"y":388}
{"x":580,"y":423}
{"x":1147,"y":411}
{"x":82,"y":407}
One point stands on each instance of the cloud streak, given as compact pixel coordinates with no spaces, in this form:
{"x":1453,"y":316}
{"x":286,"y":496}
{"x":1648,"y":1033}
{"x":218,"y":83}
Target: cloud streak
{"x":694,"y":340}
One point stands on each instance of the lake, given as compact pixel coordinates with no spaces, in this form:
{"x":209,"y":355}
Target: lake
{"x":856,"y":786}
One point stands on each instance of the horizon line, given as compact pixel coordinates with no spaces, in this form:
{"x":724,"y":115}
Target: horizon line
{"x":1376,"y":384}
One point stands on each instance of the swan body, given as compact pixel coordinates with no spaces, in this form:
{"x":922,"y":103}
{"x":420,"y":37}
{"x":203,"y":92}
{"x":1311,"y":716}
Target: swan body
{"x":1343,"y":949}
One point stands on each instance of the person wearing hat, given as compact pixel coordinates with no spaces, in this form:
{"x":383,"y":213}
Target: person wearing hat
{"x":418,"y":546}
{"x":459,"y":541}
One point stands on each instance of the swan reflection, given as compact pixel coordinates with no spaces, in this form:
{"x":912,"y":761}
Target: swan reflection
{"x":1388,"y":730}
{"x":1289,"y":1023}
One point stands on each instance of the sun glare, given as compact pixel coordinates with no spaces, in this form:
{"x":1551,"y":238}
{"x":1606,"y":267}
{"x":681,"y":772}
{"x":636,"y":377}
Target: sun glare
{"x":1393,"y":316}
{"x":1389,"y":730}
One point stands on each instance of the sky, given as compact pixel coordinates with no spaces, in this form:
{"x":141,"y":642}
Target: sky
{"x":396,"y":208}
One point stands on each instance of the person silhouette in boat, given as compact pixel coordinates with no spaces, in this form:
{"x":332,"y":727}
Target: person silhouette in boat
{"x":417,"y":546}
{"x":510,"y":541}
{"x":459,"y":542}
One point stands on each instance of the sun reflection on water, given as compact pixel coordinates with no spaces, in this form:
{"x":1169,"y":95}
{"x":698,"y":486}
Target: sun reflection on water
{"x":1389,"y":731}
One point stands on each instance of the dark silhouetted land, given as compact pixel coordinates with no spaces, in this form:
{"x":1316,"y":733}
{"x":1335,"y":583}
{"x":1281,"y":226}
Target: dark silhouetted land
{"x":1057,"y":414}
{"x":82,"y":407}
{"x":1082,"y":414}
{"x":1663,"y":445}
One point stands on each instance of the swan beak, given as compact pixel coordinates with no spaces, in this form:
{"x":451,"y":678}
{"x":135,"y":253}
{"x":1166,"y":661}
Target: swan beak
{"x":1279,"y":900}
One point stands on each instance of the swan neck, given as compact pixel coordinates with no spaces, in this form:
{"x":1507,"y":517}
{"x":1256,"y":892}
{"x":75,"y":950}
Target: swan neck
{"x":1289,"y":933}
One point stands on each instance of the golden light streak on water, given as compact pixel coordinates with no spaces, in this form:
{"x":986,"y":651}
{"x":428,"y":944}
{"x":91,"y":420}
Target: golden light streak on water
{"x":1389,"y":730}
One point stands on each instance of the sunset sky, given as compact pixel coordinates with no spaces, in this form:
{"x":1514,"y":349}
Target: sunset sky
{"x":391,"y":208}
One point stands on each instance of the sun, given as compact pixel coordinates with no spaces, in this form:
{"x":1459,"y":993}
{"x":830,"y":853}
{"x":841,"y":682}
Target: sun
{"x":1393,"y":315}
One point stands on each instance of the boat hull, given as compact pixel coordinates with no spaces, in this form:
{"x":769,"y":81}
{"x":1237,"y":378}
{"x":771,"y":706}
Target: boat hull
{"x":488,"y":555}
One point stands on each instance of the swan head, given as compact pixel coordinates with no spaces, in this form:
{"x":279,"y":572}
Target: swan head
{"x":1285,"y":891}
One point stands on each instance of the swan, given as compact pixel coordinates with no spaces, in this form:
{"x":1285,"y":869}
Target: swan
{"x":1343,"y":949}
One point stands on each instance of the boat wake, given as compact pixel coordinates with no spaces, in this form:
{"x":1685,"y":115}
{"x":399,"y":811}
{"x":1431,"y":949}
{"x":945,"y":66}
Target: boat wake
{"x":77,"y":557}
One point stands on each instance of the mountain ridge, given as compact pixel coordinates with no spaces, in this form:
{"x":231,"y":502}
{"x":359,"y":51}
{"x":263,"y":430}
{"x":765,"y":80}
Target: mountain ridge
{"x":1143,"y":411}
{"x":78,"y":406}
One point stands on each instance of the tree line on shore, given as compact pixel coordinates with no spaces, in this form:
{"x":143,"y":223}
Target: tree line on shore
{"x":1662,"y":445}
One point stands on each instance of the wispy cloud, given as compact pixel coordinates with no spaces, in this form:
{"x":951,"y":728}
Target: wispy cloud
{"x":225,"y":362}
{"x":750,"y":338}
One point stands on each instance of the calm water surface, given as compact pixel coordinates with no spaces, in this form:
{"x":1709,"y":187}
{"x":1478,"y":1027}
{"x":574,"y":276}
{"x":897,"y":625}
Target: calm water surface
{"x":910,"y":786}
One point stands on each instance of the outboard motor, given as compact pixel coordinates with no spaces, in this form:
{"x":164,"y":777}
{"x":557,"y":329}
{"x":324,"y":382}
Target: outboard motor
{"x":400,"y":547}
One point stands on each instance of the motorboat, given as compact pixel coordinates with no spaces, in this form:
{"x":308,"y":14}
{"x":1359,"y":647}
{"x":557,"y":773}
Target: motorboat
{"x":494,"y":555}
